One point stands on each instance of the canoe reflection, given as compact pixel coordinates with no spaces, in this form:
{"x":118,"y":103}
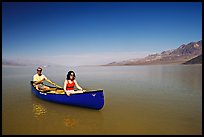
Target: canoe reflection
{"x":64,"y":117}
{"x":39,"y":111}
{"x":70,"y":122}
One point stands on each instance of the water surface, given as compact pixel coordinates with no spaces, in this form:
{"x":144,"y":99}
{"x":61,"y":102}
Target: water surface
{"x":160,"y":99}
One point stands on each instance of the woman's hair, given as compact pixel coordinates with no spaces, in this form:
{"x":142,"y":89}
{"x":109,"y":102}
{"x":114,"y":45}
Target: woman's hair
{"x":69,"y":73}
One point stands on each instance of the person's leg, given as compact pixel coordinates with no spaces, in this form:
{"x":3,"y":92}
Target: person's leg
{"x":37,"y":87}
{"x":46,"y":88}
{"x":43,"y":88}
{"x":59,"y":91}
{"x":68,"y":92}
{"x":40,"y":87}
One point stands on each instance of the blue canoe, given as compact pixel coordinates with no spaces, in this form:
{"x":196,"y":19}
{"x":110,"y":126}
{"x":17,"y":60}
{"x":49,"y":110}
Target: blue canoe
{"x":93,"y":99}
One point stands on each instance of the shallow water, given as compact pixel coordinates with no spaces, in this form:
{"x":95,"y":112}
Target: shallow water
{"x":157,"y":99}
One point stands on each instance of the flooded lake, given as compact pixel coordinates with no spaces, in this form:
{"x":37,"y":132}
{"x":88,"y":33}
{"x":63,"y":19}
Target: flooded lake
{"x":139,"y":100}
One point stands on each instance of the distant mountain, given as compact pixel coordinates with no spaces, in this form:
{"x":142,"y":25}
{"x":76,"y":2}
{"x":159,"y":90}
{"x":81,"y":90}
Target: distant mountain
{"x":196,"y":60}
{"x":180,"y":55}
{"x":20,"y":62}
{"x":12,"y":63}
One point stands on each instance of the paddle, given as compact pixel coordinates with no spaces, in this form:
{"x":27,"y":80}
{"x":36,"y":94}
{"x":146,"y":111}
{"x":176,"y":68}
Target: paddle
{"x":53,"y":83}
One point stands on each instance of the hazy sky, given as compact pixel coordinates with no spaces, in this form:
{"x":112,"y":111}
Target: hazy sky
{"x":90,"y":33}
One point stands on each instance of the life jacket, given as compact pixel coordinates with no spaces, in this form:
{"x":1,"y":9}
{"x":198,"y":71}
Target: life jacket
{"x":70,"y":86}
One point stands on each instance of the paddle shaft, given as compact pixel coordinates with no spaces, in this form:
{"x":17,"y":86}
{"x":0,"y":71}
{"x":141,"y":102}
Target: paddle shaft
{"x":53,"y":83}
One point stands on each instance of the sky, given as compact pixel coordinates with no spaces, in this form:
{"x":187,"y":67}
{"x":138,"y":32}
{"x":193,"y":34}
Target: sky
{"x":95,"y":33}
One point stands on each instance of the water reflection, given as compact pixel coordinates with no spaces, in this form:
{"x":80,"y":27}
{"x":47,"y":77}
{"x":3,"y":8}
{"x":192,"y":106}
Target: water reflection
{"x":66,"y":118}
{"x":70,"y":122}
{"x":42,"y":110}
{"x":39,"y":111}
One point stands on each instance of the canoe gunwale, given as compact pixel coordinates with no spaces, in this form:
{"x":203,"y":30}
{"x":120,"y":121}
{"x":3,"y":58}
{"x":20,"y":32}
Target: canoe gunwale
{"x":93,"y":99}
{"x":87,"y":91}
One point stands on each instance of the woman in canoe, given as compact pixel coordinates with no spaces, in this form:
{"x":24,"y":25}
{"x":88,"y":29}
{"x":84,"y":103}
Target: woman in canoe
{"x":70,"y":82}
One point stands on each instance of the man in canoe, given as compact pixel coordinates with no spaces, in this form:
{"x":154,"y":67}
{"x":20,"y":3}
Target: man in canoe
{"x":38,"y":79}
{"x":70,"y":82}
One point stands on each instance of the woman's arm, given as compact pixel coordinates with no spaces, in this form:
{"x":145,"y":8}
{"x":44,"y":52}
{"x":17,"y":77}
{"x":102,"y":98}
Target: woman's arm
{"x":65,"y":84}
{"x":77,"y":85}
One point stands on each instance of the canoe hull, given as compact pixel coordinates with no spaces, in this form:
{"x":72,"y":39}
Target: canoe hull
{"x":93,"y":99}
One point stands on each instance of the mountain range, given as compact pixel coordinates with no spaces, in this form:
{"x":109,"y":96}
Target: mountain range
{"x":25,"y":62}
{"x":190,"y":53}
